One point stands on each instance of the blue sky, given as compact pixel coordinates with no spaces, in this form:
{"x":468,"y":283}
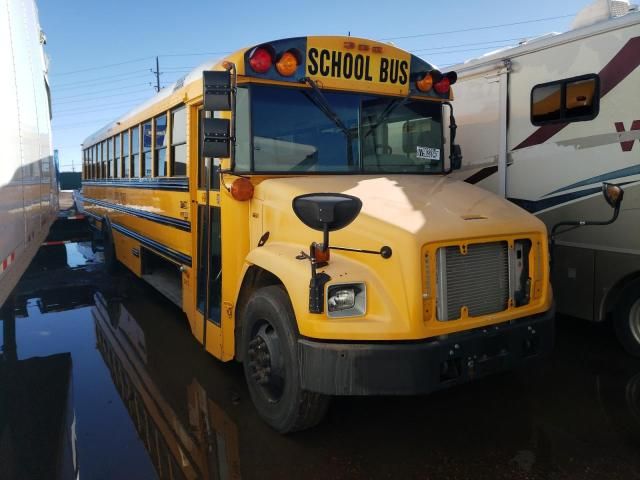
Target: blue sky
{"x":102,"y":53}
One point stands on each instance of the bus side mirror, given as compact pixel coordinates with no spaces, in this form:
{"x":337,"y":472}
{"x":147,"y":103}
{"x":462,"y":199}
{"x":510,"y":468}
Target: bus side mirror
{"x":216,"y":91}
{"x":216,"y":97}
{"x":326,"y":212}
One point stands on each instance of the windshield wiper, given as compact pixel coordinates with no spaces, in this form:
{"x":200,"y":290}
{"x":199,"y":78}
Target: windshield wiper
{"x":323,"y":105}
{"x":391,"y":106}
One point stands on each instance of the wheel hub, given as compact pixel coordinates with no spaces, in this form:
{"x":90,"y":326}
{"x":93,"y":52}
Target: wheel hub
{"x":265,"y":361}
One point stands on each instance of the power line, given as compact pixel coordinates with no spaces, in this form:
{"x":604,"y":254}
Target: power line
{"x":92,"y":84}
{"x":98,"y":96}
{"x":92,"y":94}
{"x":100,"y":79}
{"x":465,"y":50}
{"x":100,"y":67}
{"x":96,"y":108}
{"x":81,"y":124}
{"x":473,"y":44}
{"x":486,"y":27}
{"x":193,"y":54}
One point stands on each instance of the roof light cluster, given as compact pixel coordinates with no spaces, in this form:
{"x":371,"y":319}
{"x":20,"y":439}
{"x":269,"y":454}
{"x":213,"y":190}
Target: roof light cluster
{"x":436,"y":80}
{"x":264,"y":57}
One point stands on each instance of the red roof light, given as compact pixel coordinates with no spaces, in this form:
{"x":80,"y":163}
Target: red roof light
{"x":260,"y":60}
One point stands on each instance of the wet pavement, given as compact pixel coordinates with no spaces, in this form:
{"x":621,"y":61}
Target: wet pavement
{"x":100,"y":376}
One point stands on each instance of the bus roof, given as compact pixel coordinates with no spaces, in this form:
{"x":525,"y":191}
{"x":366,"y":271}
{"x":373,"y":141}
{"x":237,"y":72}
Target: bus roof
{"x":382,"y":68}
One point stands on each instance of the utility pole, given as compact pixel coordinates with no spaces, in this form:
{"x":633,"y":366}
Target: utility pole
{"x":157,"y":74}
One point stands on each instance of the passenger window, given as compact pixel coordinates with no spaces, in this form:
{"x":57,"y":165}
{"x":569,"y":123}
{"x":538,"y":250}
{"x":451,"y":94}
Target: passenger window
{"x":570,"y":100}
{"x":178,"y":141}
{"x":100,"y":160}
{"x":126,"y":162}
{"x":146,"y":150}
{"x":109,"y":147}
{"x":135,"y":152}
{"x":160,"y":125}
{"x":116,"y":159}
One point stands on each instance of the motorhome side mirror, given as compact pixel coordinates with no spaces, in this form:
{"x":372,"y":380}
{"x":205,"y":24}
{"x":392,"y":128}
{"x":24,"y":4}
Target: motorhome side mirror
{"x":456,"y":157}
{"x":216,"y":90}
{"x":216,"y":140}
{"x":326,"y":212}
{"x":613,"y":194}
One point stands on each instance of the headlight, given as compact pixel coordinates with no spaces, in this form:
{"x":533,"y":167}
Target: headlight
{"x":346,"y":300}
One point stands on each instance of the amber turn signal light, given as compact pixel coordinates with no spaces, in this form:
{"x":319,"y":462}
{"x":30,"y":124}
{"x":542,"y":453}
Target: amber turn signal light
{"x":242,"y":189}
{"x":320,"y":255}
{"x":425,"y":83}
{"x":287,"y":65}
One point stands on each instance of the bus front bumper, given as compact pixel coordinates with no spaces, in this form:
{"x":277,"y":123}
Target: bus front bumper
{"x":406,"y":368}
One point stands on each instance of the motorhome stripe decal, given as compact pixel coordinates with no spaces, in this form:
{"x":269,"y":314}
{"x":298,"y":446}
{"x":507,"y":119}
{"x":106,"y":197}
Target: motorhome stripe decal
{"x":535,"y":206}
{"x":482,"y":174}
{"x":618,"y":68}
{"x":623,"y":172}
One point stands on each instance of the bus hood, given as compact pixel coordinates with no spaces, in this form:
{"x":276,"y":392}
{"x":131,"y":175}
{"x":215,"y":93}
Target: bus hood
{"x":428,"y":208}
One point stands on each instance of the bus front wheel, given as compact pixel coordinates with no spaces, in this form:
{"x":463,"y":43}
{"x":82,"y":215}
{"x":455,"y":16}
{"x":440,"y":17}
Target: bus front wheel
{"x":626,"y":318}
{"x":271,"y":364}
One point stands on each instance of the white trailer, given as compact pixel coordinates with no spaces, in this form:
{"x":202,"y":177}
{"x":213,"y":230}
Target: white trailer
{"x":545,"y":123}
{"x":28,"y":185}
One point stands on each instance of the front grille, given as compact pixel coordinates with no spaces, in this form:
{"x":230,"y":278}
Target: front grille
{"x":477,"y":280}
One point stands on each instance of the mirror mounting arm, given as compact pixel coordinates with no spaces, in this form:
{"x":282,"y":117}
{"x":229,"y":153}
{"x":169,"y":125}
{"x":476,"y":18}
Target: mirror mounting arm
{"x":455,"y":154}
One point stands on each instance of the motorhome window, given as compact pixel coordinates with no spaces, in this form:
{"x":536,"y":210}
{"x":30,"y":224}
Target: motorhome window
{"x":569,"y":100}
{"x":546,"y":103}
{"x":160,"y":125}
{"x":178,"y":141}
{"x":135,"y":152}
{"x":146,"y":149}
{"x":579,"y":99}
{"x":292,"y":131}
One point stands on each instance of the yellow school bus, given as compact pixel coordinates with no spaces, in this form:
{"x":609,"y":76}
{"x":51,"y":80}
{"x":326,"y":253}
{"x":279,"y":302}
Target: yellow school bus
{"x":293,"y":200}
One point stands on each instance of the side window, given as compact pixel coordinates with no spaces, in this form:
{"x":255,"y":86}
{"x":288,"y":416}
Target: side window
{"x":179,"y":141}
{"x":100,"y":159}
{"x":160,"y":125}
{"x":116,"y":159}
{"x":243,"y":131}
{"x":569,"y":100}
{"x":135,"y":152}
{"x":109,"y":147}
{"x":126,"y":163}
{"x":146,"y":150}
{"x":580,"y":98}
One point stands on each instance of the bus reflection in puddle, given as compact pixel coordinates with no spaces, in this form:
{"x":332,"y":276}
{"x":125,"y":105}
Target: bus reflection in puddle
{"x":206,"y":446}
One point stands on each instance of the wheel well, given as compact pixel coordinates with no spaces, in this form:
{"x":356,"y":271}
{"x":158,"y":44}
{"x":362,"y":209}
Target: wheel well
{"x":613,"y":296}
{"x":255,"y":278}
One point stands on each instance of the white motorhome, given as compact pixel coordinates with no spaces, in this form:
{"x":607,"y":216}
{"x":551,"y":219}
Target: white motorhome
{"x":28,"y":185}
{"x":545,"y":123}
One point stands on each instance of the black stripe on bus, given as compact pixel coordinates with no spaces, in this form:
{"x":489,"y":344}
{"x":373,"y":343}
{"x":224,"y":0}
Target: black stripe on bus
{"x":178,"y":257}
{"x":154,"y":217}
{"x":176,"y":184}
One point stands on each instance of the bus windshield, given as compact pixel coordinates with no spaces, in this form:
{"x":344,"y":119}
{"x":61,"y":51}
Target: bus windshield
{"x":302,"y":130}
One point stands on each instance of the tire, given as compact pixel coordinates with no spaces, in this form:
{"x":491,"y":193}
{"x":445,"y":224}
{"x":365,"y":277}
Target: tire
{"x":269,"y":342}
{"x":111,"y":263}
{"x":626,"y":318}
